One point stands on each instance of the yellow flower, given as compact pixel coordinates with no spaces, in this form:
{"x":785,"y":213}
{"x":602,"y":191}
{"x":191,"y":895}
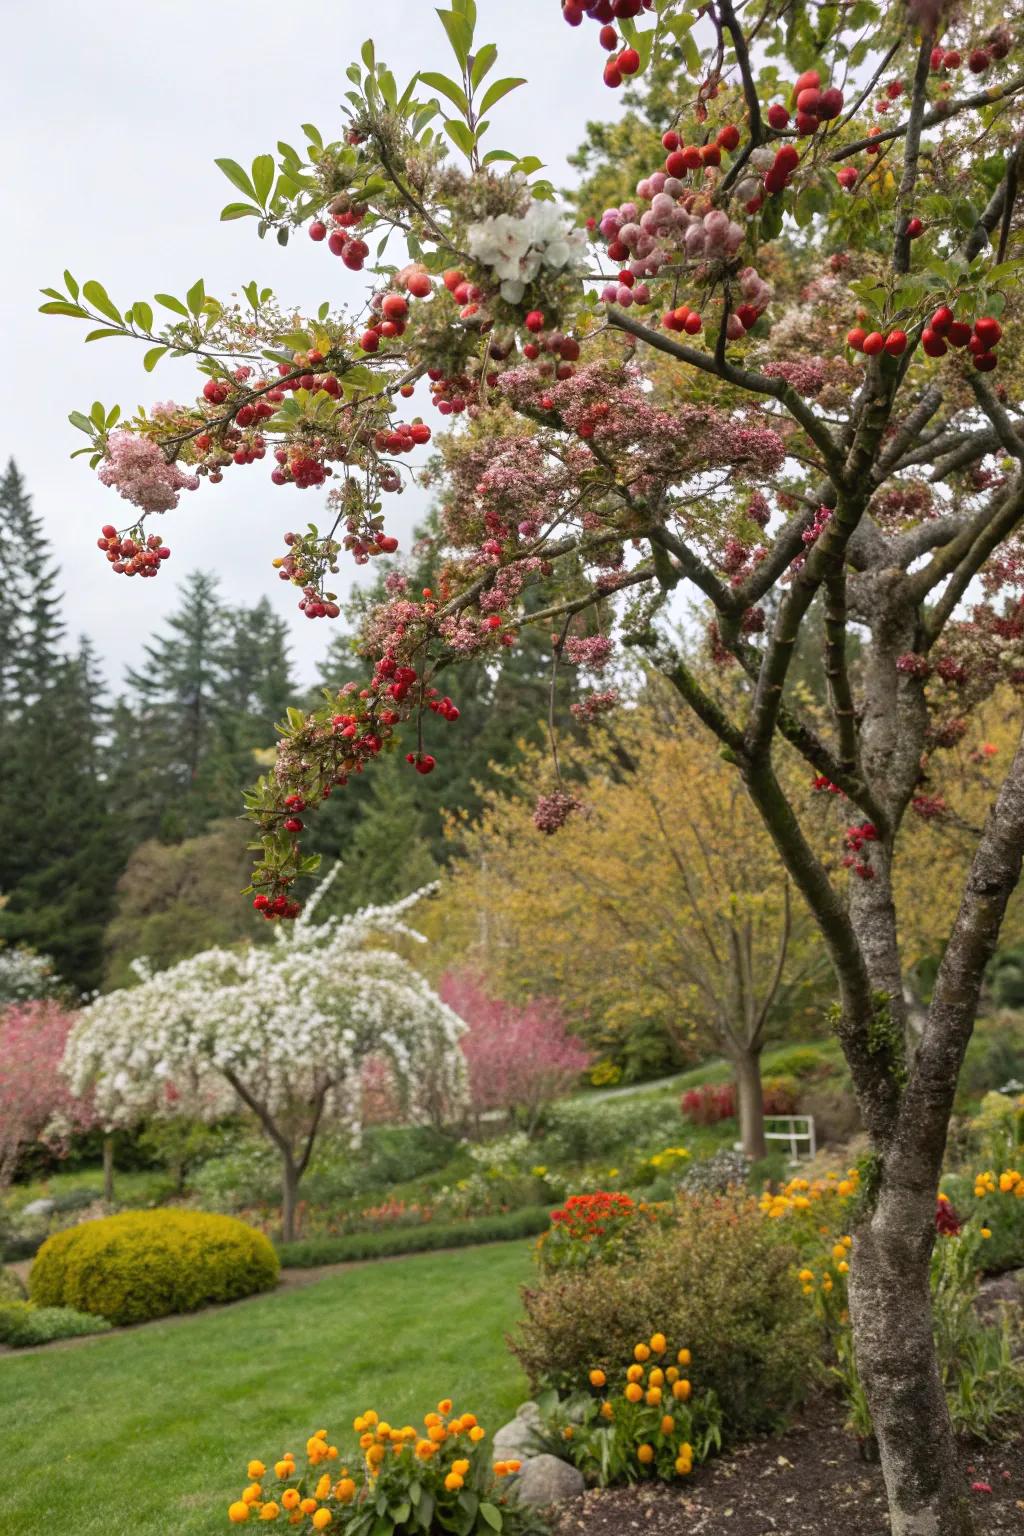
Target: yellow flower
{"x":672,"y":1374}
{"x":607,"y":1411}
{"x":684,"y":1357}
{"x":645,"y":1454}
{"x":476,"y":1434}
{"x":461,"y":1467}
{"x":431,"y":1418}
{"x":322,"y":1519}
{"x":668,"y":1424}
{"x":845,"y":1187}
{"x":445,"y":1405}
{"x":986,"y":1232}
{"x":365,"y":1441}
{"x":681,"y":1390}
{"x":424,"y":1450}
{"x":453,"y":1482}
{"x":597,"y":1378}
{"x":270,"y":1511}
{"x":371,"y":1417}
{"x":839,"y":1251}
{"x":514,"y":1464}
{"x":383,"y":1430}
{"x":634,"y":1392}
{"x":653,"y":1397}
{"x":252,"y":1493}
{"x":468,"y":1420}
{"x":635,"y":1373}
{"x":290,"y":1498}
{"x":345,"y":1490}
{"x":684,"y":1466}
{"x":656,"y":1378}
{"x":323,"y":1487}
{"x":284,"y":1468}
{"x":255,"y":1470}
{"x":806,"y":1275}
{"x":437,"y":1433}
{"x":307,"y":1506}
{"x":843,"y":1267}
{"x":374,"y":1456}
{"x":808,"y":1290}
{"x":238,"y":1512}
{"x":641,"y":1353}
{"x":658,"y":1343}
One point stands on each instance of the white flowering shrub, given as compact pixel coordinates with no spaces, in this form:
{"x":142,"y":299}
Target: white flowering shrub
{"x":25,"y":976}
{"x":283,"y":1029}
{"x":516,"y":249}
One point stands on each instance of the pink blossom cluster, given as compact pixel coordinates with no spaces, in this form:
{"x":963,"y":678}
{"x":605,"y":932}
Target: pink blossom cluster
{"x":806,"y":374}
{"x":36,"y":1103}
{"x":593,"y":651}
{"x":553,"y":811}
{"x":136,"y":467}
{"x":595,"y":705}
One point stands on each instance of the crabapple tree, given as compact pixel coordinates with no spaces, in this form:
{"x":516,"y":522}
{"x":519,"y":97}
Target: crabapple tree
{"x":36,"y":1104}
{"x":519,"y":1056}
{"x":283,"y":1030}
{"x":780,"y":376}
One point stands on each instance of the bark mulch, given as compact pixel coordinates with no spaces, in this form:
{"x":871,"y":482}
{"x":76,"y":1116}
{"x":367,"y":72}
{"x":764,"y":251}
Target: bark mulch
{"x":809,"y":1481}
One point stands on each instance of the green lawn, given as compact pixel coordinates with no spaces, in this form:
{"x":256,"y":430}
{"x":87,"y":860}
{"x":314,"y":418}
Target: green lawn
{"x":149,"y":1431}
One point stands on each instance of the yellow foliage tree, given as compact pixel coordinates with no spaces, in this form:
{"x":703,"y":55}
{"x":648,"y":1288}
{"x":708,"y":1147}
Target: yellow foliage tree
{"x":715,"y":943}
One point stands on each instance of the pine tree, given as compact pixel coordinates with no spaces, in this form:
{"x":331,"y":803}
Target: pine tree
{"x":30,"y":627}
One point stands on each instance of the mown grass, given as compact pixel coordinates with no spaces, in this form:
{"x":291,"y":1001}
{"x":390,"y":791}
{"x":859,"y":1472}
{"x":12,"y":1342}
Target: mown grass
{"x":149,"y":1431}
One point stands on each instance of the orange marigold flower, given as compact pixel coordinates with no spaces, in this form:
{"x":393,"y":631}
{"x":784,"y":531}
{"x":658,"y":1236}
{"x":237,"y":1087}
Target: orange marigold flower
{"x":476,"y":1434}
{"x":634,"y":1392}
{"x":453,"y":1482}
{"x":238,"y":1512}
{"x":322,"y":1519}
{"x":659,"y":1343}
{"x":255,"y":1470}
{"x":445,"y":1405}
{"x":345,"y":1490}
{"x":645,"y":1454}
{"x":270,"y":1510}
{"x":290,"y":1498}
{"x":597,"y":1378}
{"x":641,"y":1352}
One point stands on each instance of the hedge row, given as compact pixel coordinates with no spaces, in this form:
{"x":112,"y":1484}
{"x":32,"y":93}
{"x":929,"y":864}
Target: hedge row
{"x":310,"y":1252}
{"x":22,"y":1324}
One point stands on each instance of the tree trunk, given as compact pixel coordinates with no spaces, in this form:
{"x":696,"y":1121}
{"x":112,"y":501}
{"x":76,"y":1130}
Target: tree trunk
{"x":750,"y":1103}
{"x":289,"y":1198}
{"x":108,"y":1168}
{"x":890,"y":1306}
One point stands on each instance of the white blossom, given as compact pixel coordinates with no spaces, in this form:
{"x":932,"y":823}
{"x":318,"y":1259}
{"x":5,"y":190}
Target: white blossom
{"x":515,"y":249}
{"x":282,"y":1026}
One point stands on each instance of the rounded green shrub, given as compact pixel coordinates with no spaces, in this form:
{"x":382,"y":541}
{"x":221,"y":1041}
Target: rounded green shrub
{"x":144,"y":1264}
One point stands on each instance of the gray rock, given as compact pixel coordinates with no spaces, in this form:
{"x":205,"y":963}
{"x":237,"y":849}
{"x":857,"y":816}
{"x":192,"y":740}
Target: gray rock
{"x":39,"y":1208}
{"x":530,"y":1414}
{"x":545,"y":1480}
{"x":517,"y":1440}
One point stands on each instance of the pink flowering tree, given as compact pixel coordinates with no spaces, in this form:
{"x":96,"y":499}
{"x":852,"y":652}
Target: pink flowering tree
{"x":519,"y":1056}
{"x":775,"y":379}
{"x":36,"y":1104}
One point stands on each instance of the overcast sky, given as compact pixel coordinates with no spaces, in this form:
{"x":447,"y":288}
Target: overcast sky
{"x":113,"y":114}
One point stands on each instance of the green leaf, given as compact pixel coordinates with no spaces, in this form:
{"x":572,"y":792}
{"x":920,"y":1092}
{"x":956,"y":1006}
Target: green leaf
{"x":106,"y":330}
{"x":498,"y":154}
{"x":234,"y":173}
{"x":142,"y":315}
{"x":313,"y":135}
{"x":152,"y":357}
{"x":299,"y":341}
{"x":367,"y":54}
{"x":238,"y":211}
{"x":447,"y":88}
{"x":492,"y":1515}
{"x":528,"y":164}
{"x":400,"y":1513}
{"x":496,"y":90}
{"x":60,"y":308}
{"x":96,"y":295}
{"x":112,"y":415}
{"x":170,"y":302}
{"x":460,"y":34}
{"x":71,"y":285}
{"x":460,"y":134}
{"x":263,"y":177}
{"x":98,"y":415}
{"x":196,"y":297}
{"x":296,"y":719}
{"x":81,"y":422}
{"x":483,"y":61}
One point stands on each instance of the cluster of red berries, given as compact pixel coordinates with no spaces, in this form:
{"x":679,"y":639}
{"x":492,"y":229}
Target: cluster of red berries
{"x":682,"y":158}
{"x":298,"y":469}
{"x":294,"y":567}
{"x":813,"y":106}
{"x":443,"y":707}
{"x":348,"y":727}
{"x":893,"y":92}
{"x":276,"y":906}
{"x":684,"y":319}
{"x":871,"y":343}
{"x":623,"y":61}
{"x":855,"y":839}
{"x":944,"y":330}
{"x":565,"y":348}
{"x":776,"y":177}
{"x":131,"y":557}
{"x":997,"y":46}
{"x":350,"y":248}
{"x":421,"y":761}
{"x":822,"y":785}
{"x":394,"y":311}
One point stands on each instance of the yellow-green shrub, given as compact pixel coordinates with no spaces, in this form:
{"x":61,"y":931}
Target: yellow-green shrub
{"x":145,"y":1264}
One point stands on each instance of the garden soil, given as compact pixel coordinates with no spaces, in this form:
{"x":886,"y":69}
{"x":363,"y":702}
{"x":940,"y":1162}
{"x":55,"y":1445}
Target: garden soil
{"x":807,"y":1482}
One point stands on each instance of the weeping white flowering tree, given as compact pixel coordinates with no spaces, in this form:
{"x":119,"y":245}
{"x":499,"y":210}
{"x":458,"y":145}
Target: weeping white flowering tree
{"x":284,"y":1029}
